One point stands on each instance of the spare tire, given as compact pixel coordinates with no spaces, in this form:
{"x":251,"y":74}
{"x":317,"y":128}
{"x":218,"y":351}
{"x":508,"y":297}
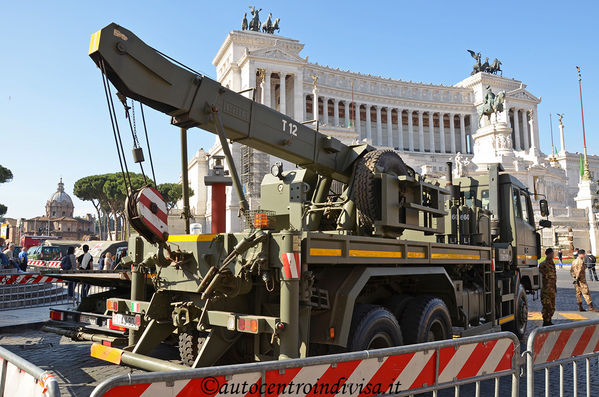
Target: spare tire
{"x":367,"y":187}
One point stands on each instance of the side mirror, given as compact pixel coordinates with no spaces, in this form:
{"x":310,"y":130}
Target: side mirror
{"x":544,"y":207}
{"x":545,"y":223}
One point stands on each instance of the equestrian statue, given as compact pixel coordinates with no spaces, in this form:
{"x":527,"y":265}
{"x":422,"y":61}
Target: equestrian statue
{"x":492,"y":104}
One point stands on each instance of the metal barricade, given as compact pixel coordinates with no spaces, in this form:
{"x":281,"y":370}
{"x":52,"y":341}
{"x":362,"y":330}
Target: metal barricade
{"x":23,"y":290}
{"x":558,"y":346}
{"x":18,"y":377}
{"x":405,"y":370}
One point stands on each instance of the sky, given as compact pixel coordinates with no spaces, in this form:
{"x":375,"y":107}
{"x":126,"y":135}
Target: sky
{"x":54,"y":121}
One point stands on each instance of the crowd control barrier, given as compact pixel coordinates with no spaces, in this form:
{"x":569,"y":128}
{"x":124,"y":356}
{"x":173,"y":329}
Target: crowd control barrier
{"x":557,"y":346}
{"x":20,"y":378}
{"x":404,"y":370}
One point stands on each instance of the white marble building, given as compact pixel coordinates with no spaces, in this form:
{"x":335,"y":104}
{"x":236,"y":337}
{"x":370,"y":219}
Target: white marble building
{"x":428,"y":124}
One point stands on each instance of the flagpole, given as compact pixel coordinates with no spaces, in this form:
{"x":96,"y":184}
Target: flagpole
{"x":552,"y":147}
{"x":586,"y":173}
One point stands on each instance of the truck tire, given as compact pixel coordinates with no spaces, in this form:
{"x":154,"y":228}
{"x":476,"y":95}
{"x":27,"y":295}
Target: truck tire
{"x":518,"y":326}
{"x":426,"y":319}
{"x":398,"y":304}
{"x":373,"y":327}
{"x":367,"y":189}
{"x":189,"y":346}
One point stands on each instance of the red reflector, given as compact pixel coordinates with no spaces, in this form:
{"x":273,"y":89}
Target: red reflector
{"x":58,"y":316}
{"x":107,"y":343}
{"x":241,"y":324}
{"x":112,"y":305}
{"x":115,"y":327}
{"x":137,"y":319}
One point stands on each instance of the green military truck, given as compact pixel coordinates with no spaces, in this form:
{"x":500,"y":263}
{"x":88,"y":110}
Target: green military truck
{"x":351,"y":250}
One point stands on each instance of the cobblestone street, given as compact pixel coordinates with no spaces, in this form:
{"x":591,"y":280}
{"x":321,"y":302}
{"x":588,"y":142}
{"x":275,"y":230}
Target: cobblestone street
{"x":78,"y":373}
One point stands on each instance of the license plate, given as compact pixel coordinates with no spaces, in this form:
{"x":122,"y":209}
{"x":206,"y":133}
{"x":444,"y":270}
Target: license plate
{"x":88,"y":319}
{"x":126,"y":321}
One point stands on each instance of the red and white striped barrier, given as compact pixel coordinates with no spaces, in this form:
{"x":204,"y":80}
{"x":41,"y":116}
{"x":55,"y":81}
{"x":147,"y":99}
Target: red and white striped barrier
{"x":17,"y":279}
{"x":553,"y":345}
{"x":417,"y":367}
{"x":44,"y":263}
{"x":22,"y":378}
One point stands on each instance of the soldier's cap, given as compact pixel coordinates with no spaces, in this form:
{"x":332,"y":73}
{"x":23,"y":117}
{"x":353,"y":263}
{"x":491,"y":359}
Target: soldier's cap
{"x":548,"y":251}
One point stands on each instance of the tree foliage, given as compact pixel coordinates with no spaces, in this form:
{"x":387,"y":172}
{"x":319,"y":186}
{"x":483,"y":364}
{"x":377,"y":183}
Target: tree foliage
{"x":5,"y":176}
{"x":172,"y":192}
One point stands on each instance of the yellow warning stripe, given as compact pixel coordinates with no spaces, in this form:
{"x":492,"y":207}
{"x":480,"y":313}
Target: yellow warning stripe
{"x":181,"y":238}
{"x":325,"y":252}
{"x":374,"y":254}
{"x":455,"y":256}
{"x":94,"y":42}
{"x":535,"y":316}
{"x":526,"y":256}
{"x":416,"y":255}
{"x":106,"y":353}
{"x":506,"y":319}
{"x":573,"y":316}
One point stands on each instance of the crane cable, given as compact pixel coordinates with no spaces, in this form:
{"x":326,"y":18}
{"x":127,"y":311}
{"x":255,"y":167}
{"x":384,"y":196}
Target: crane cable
{"x":115,"y":128}
{"x":131,"y":118}
{"x":143,"y":118}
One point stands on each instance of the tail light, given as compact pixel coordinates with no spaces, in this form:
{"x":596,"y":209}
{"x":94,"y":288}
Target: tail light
{"x":115,"y":327}
{"x":261,"y":221}
{"x":55,"y":315}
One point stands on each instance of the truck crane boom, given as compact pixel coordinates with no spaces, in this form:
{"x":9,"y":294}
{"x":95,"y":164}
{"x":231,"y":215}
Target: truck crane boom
{"x":192,"y":100}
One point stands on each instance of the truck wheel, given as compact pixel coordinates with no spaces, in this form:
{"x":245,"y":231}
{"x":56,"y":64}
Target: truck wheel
{"x":426,"y":319}
{"x":189,"y":346}
{"x":518,"y":326}
{"x":367,"y":191}
{"x":399,"y":303}
{"x":373,"y":327}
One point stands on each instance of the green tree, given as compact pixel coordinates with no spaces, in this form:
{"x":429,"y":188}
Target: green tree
{"x":171,"y":193}
{"x":5,"y":176}
{"x":90,"y":188}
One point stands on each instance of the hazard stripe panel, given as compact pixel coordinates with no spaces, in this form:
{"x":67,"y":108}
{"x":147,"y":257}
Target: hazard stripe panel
{"x":553,"y":345}
{"x":371,"y":376}
{"x":291,"y":265}
{"x":26,"y":279}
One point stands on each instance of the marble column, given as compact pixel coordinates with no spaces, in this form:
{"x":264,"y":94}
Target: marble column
{"x":368,"y":124}
{"x":389,"y":129}
{"x":410,"y":131}
{"x":431,"y":131}
{"x":517,"y":145}
{"x":325,"y":110}
{"x":533,"y":138}
{"x":452,"y":132}
{"x":315,"y":104}
{"x":525,"y":130}
{"x":442,"y":132}
{"x":299,"y":112}
{"x":400,"y":129}
{"x":358,"y":122}
{"x":336,"y":112}
{"x":379,"y":126}
{"x":562,"y":151}
{"x":346,"y":105}
{"x":282,"y":94}
{"x":462,"y":134}
{"x":420,"y":132}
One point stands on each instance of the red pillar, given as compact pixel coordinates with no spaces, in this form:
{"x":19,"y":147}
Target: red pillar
{"x":219,"y":201}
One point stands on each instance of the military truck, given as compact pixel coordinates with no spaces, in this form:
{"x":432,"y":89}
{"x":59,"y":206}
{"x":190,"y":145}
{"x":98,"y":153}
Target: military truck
{"x":351,"y":250}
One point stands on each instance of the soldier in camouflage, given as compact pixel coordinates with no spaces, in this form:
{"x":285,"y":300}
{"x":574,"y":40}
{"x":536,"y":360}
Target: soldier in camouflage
{"x":549,"y":288}
{"x":577,"y":271}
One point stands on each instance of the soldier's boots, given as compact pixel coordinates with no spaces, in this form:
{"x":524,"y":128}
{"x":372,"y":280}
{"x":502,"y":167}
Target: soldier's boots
{"x":593,"y":309}
{"x":580,"y":308}
{"x":547,"y":323}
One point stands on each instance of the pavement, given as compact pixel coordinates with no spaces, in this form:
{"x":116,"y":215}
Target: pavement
{"x":78,"y":373}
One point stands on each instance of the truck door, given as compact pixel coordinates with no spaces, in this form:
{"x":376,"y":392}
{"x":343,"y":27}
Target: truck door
{"x":523,"y":215}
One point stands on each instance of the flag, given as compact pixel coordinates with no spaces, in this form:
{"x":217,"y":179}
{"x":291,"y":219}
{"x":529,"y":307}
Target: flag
{"x":581,"y":166}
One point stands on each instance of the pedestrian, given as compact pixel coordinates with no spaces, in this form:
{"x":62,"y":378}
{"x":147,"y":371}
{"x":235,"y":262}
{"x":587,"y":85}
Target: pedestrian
{"x":85,"y":261}
{"x":23,"y":260}
{"x":575,"y":253}
{"x":68,"y":262}
{"x":108,"y":261}
{"x":590,"y":261}
{"x":560,"y":256}
{"x":548,"y":286}
{"x":100,"y":264}
{"x":577,"y":271}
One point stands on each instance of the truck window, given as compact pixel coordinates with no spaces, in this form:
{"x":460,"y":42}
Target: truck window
{"x":516,"y":201}
{"x":527,"y":209}
{"x":469,"y":198}
{"x":484,"y":198}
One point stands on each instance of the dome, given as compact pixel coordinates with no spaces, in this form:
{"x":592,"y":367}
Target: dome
{"x":60,"y":203}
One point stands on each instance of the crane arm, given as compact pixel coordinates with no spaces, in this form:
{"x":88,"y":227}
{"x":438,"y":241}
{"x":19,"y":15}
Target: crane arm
{"x":192,"y":100}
